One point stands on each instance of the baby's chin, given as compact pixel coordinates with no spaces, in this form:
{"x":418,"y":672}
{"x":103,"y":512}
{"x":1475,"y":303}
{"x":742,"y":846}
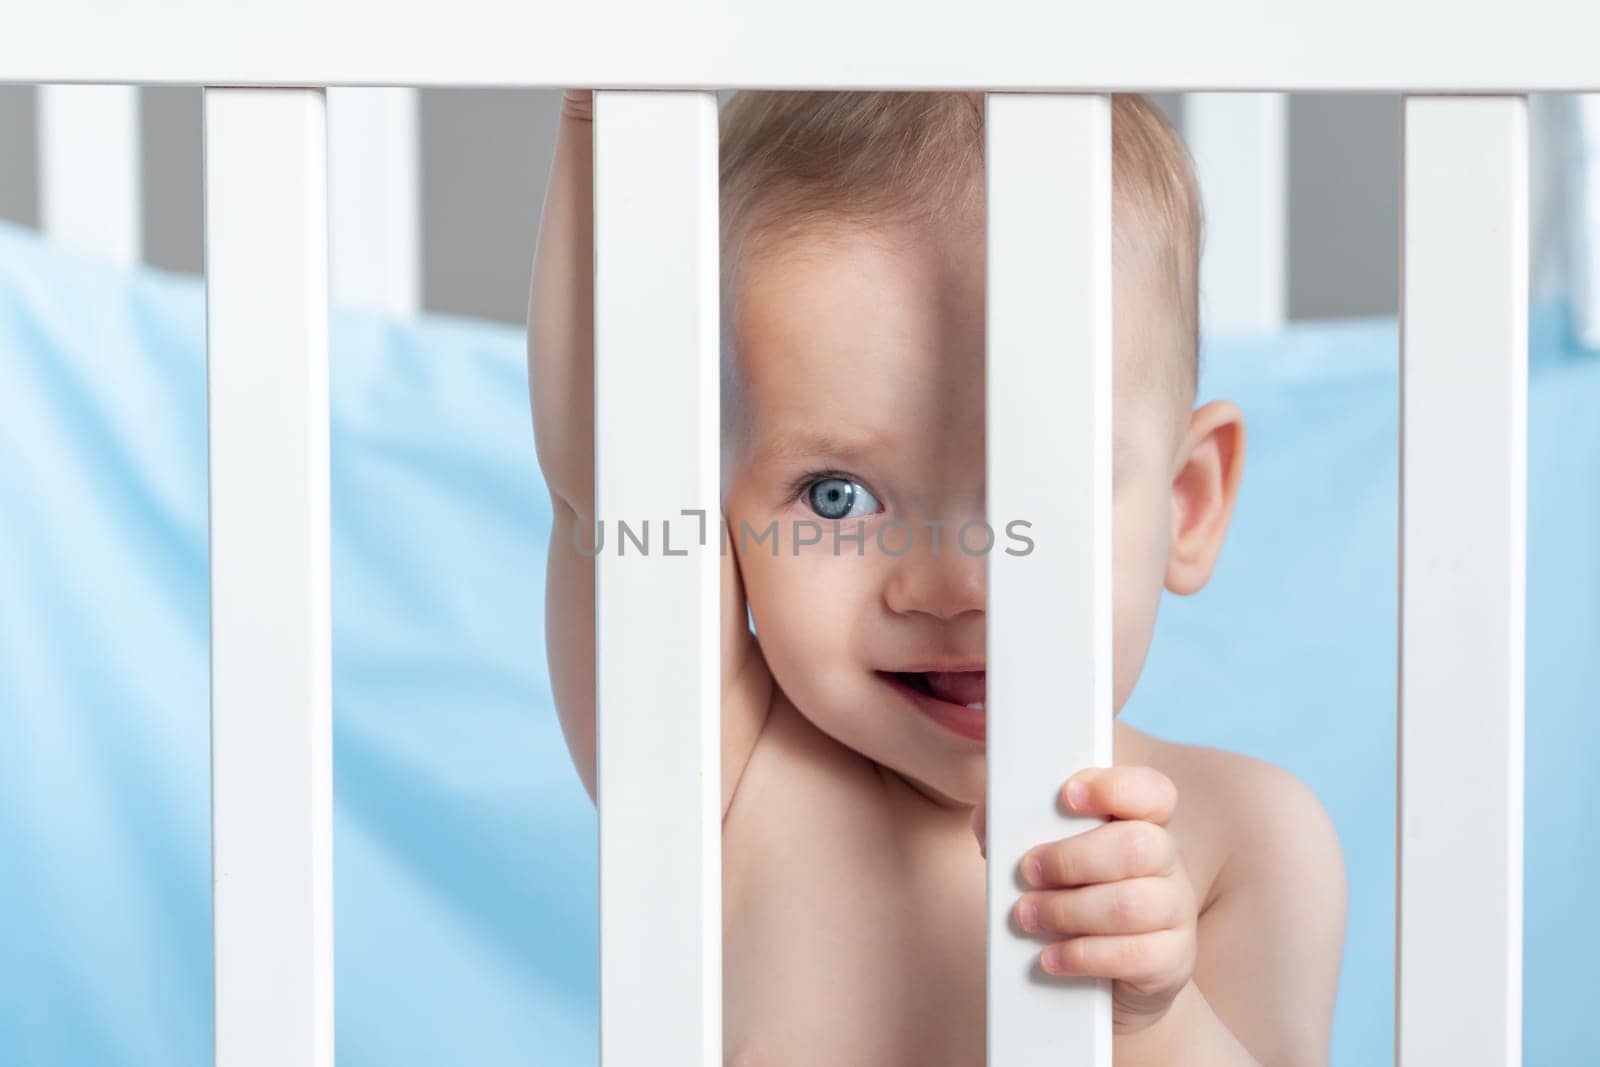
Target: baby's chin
{"x":874,"y":717}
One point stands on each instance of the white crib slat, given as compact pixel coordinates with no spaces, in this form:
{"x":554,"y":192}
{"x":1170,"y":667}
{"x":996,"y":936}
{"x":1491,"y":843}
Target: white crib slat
{"x":1048,"y":459}
{"x":1463,"y":468}
{"x":271,"y":741}
{"x":89,"y":168}
{"x":657,"y":688}
{"x":1240,"y":150}
{"x":374,"y":207}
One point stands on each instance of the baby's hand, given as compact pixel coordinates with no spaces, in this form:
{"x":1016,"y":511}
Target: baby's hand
{"x":1119,"y":893}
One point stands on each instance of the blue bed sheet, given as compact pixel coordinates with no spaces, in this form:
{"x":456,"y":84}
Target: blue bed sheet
{"x":465,"y":861}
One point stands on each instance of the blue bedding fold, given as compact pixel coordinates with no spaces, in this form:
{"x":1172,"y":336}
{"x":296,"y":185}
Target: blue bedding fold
{"x":465,"y":861}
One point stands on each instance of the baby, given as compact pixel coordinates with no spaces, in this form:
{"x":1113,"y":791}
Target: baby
{"x":852,"y":724}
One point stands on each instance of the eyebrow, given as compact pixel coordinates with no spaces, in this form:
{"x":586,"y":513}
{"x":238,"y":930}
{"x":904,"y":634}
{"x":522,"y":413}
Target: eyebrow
{"x":806,"y":443}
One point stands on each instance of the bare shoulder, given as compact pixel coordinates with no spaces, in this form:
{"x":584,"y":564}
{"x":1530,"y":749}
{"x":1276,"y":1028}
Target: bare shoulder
{"x":1244,"y":817}
{"x":1265,"y":860}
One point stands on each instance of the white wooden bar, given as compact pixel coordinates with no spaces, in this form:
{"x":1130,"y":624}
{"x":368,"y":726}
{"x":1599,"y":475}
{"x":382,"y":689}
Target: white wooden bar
{"x":1154,"y":45}
{"x":271,"y":690}
{"x":1464,"y":352}
{"x":1240,"y":147}
{"x":374,"y":199}
{"x":89,"y":168}
{"x":657,"y":654}
{"x":1048,"y":463}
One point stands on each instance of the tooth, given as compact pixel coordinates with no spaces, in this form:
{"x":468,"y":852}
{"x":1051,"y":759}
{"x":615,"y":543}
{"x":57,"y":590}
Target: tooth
{"x":976,"y":704}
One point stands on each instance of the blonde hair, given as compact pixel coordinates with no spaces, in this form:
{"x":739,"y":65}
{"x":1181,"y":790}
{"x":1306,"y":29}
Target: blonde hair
{"x":800,"y":161}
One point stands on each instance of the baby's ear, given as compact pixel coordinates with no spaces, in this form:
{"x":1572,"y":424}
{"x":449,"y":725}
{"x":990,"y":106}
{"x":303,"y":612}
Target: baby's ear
{"x":1211,"y":459}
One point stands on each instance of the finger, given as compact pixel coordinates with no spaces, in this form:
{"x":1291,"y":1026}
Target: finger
{"x":1121,"y":793}
{"x":1136,"y":906}
{"x":1145,"y":960}
{"x":578,"y":104}
{"x":1109,"y":853}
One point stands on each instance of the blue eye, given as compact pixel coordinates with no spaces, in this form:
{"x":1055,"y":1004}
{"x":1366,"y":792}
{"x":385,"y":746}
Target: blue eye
{"x":840,"y":498}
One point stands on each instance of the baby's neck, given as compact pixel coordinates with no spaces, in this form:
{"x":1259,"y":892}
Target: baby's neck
{"x":912,"y":785}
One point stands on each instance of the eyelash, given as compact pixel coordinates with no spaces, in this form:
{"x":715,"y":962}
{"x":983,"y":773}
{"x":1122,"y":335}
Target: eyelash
{"x":806,"y":480}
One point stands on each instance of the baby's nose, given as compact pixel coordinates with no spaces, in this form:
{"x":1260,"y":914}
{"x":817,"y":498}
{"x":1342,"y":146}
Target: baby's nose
{"x":944,"y":584}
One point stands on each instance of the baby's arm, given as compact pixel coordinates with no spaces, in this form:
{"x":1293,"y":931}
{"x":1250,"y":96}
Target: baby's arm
{"x":1248,"y":977}
{"x":1270,"y":936}
{"x":561,"y":380}
{"x":1272,"y":933}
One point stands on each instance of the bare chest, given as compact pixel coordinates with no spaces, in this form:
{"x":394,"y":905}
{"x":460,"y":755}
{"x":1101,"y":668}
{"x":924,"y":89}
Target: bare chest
{"x":850,"y":936}
{"x":854,"y":911}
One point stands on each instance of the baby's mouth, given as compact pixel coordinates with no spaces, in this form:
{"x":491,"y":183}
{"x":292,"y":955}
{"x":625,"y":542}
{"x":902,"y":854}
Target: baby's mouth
{"x":962,"y":688}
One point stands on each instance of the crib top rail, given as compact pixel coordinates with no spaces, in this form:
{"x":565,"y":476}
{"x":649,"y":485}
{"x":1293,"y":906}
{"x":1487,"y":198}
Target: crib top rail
{"x":1035,"y":45}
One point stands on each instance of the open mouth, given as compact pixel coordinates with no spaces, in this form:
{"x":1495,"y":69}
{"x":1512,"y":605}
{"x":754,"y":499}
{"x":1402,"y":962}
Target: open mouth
{"x":965,"y":688}
{"x":953,"y":699}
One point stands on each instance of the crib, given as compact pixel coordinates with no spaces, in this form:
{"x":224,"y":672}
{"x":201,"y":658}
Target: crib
{"x":285,"y":128}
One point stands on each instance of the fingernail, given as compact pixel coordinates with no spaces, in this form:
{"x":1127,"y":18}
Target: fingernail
{"x":1077,"y":793}
{"x":1028,"y":916}
{"x":1051,"y":959}
{"x":1033,"y":871}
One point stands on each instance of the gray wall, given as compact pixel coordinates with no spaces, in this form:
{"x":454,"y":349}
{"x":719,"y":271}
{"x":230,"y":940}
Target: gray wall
{"x":485,"y":160}
{"x":1344,"y":204}
{"x":170,"y":178}
{"x":19,"y":186}
{"x":486,"y":154}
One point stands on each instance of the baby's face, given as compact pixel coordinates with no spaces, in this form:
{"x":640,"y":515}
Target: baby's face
{"x":861,"y":360}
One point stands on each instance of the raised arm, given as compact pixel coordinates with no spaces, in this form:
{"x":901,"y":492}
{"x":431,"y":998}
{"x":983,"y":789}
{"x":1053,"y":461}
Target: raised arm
{"x":561,"y":381}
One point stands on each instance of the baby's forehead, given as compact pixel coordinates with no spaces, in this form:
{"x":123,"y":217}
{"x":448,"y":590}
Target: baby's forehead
{"x":801,"y":305}
{"x":856,"y":267}
{"x":888,"y":257}
{"x":865,"y":312}
{"x":764,"y":267}
{"x":905,"y":280}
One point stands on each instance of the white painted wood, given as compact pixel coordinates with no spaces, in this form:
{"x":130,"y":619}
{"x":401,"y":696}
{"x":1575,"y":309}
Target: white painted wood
{"x":1433,"y":45}
{"x":1464,"y":353}
{"x":89,"y":168}
{"x":374,"y":187}
{"x":657,"y":655}
{"x":271,"y":690}
{"x":1049,"y":464}
{"x":1584,"y":223}
{"x":1240,"y":147}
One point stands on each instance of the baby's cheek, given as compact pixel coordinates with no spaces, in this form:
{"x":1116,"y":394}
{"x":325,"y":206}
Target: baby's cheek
{"x":804,"y":615}
{"x":1138,"y":563}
